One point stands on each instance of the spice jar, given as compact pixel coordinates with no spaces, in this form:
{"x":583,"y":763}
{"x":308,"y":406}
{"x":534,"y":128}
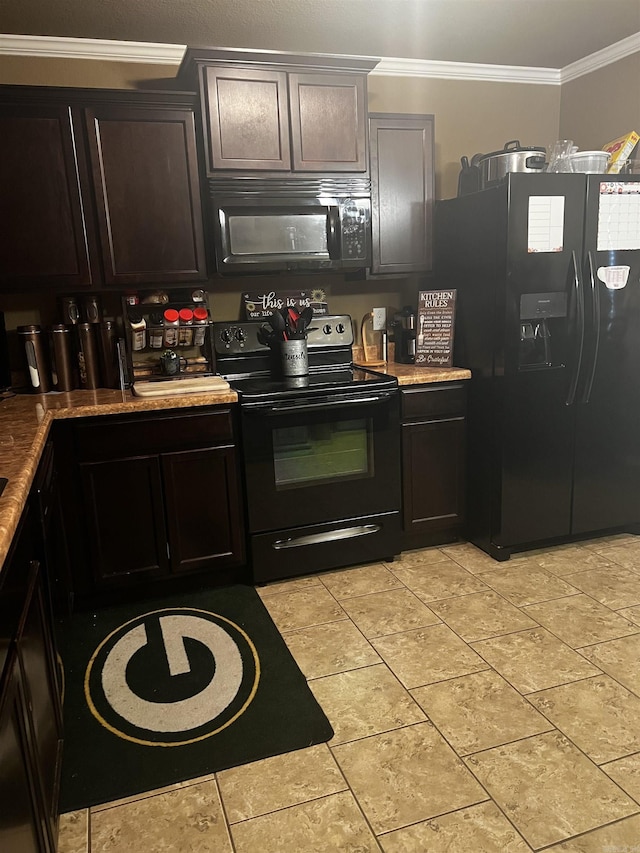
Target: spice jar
{"x":156,"y":330}
{"x":200,"y":323}
{"x":138,"y":330}
{"x":185,"y":337}
{"x":171,"y":323}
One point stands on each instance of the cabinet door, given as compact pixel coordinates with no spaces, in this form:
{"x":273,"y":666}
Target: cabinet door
{"x":248,"y":119}
{"x":433,"y":469}
{"x":21,"y":829}
{"x":38,"y":663}
{"x":124,"y":515}
{"x":328,"y":122}
{"x":45,"y":236}
{"x":204,"y":513}
{"x":402,"y":178}
{"x":145,"y":171}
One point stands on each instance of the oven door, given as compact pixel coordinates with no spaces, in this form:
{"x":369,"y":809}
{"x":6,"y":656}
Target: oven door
{"x":320,"y":473}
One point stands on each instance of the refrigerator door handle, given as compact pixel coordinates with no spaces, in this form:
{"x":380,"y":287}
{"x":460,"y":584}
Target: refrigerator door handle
{"x":595,"y":319}
{"x":579,"y":296}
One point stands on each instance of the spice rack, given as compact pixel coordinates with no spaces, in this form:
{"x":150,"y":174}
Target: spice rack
{"x":167,"y":335}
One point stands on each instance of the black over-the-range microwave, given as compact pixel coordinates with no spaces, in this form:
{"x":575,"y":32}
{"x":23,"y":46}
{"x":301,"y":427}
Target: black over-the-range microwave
{"x":296,"y":225}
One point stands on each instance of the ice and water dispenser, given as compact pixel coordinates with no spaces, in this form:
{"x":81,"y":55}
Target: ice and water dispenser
{"x":542,"y":329}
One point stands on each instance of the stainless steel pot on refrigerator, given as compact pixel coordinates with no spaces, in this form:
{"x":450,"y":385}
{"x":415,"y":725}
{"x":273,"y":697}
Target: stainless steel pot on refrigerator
{"x":488,"y":170}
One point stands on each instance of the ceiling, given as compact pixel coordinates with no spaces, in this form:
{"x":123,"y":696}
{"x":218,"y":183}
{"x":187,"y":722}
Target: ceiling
{"x":542,"y":33}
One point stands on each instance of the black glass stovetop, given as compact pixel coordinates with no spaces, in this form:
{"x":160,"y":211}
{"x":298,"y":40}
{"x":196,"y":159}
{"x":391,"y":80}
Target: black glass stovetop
{"x":318,"y":382}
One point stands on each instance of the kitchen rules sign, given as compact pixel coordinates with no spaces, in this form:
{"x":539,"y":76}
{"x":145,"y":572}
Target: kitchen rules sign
{"x":436,"y":324}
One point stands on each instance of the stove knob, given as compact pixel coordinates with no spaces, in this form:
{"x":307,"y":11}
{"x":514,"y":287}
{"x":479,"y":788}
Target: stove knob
{"x":340,"y":328}
{"x":241,"y":335}
{"x":326,"y":329}
{"x":226,"y":335}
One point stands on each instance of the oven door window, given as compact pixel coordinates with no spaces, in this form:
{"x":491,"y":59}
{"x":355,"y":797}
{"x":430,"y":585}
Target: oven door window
{"x":274,"y":233}
{"x":322,"y":453}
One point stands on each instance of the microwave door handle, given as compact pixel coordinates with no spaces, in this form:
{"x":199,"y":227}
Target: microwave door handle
{"x":333,"y":232}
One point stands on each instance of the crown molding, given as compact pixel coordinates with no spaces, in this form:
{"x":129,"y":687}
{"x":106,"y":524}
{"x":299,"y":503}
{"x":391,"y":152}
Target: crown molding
{"x":105,"y":49}
{"x":171,"y":54}
{"x":601,"y":58}
{"x":397,"y":67}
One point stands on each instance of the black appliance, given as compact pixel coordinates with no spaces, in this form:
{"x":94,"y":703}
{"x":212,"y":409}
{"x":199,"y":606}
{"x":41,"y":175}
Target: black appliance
{"x":321,"y":453}
{"x":5,"y":372}
{"x":310,"y":224}
{"x":547,"y":272}
{"x":404,"y":335}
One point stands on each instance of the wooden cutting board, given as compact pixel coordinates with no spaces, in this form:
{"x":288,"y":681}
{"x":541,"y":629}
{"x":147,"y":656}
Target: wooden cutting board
{"x":176,"y":387}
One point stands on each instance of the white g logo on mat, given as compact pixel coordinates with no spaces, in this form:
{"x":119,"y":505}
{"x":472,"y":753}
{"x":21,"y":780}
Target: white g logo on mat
{"x":161,"y":647}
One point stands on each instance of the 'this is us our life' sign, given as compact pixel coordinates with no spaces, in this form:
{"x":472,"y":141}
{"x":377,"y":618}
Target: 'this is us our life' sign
{"x":436,"y":325}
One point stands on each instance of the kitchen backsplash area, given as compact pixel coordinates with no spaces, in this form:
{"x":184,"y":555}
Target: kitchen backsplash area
{"x":343,"y":296}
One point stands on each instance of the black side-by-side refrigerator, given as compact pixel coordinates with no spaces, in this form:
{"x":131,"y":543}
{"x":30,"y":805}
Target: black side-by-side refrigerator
{"x":547,"y":273}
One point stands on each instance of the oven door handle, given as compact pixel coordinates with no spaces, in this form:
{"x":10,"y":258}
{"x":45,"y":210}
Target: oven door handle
{"x":268,"y":409}
{"x":327,"y":536}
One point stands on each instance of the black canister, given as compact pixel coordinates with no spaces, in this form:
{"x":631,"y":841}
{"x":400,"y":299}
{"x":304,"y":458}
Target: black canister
{"x":63,"y":371}
{"x":36,"y":351}
{"x":69,"y":310}
{"x":88,"y":360}
{"x":91,"y":308}
{"x":107,"y":337}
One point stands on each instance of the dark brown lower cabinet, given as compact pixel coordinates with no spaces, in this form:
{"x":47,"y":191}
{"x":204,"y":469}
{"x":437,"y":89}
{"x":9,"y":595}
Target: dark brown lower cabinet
{"x":30,"y":703}
{"x":153,"y":496}
{"x":433,"y":463}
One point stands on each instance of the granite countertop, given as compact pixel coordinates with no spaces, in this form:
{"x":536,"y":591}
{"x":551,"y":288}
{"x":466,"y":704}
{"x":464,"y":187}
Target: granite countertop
{"x":412,"y":374}
{"x":25,"y":420}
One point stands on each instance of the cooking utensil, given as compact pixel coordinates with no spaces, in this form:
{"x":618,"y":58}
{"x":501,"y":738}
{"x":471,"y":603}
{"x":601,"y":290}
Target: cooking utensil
{"x":495,"y":166}
{"x":306,"y":317}
{"x":277,"y":322}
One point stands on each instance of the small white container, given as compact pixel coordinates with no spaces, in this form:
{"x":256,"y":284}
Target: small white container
{"x":589,"y":162}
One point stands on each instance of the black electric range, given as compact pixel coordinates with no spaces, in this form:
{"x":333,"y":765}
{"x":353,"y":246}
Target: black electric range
{"x":320,"y":452}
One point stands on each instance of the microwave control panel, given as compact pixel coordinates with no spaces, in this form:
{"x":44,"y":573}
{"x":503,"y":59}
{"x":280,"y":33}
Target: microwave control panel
{"x":355,"y":217}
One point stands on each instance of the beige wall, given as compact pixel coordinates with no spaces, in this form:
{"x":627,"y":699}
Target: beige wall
{"x":471,"y":117}
{"x":602,"y":106}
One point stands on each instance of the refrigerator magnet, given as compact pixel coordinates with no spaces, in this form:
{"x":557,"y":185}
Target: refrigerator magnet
{"x":615,"y":278}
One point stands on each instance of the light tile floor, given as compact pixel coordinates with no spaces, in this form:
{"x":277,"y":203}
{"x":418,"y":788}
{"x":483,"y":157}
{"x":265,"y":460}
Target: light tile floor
{"x":478,"y":707}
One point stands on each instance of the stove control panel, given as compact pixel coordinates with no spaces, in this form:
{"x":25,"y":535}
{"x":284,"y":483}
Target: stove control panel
{"x":241,"y":337}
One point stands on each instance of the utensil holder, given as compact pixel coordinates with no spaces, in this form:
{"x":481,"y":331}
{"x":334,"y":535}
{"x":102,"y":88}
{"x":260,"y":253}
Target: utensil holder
{"x":294,"y":357}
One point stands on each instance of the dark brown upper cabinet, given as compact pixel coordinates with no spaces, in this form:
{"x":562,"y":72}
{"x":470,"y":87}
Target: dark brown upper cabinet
{"x":402,"y":192}
{"x":247,"y":119}
{"x":281,"y":113}
{"x":147,"y":190}
{"x":99,"y":188}
{"x":328,"y":122}
{"x":45,"y":239}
